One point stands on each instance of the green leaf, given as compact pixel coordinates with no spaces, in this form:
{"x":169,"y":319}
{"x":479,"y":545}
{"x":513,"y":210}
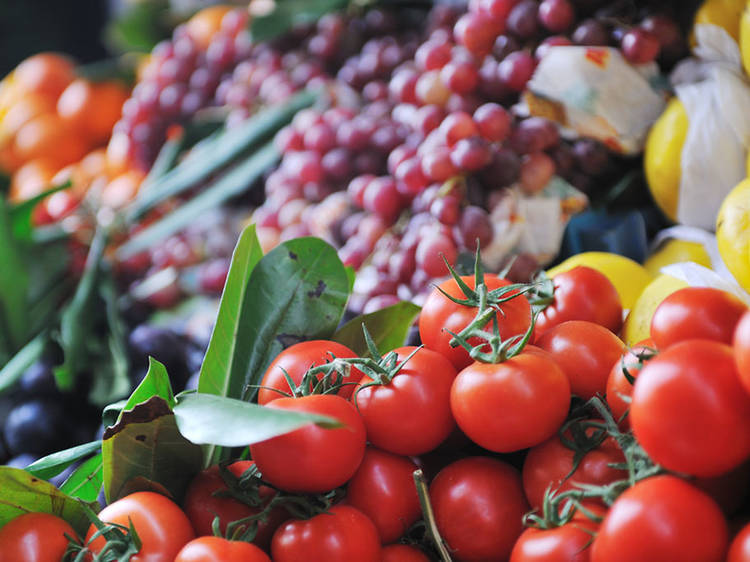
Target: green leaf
{"x":53,"y":464}
{"x":234,"y":182}
{"x":216,"y":420}
{"x":141,"y":27}
{"x":14,"y":285}
{"x":224,"y":347}
{"x":388,"y":328}
{"x":14,"y":369}
{"x":76,"y":324}
{"x":145,"y":451}
{"x":25,"y":493}
{"x":86,"y":480}
{"x":290,"y":13}
{"x":218,"y":152}
{"x":155,"y":383}
{"x":20,"y":214}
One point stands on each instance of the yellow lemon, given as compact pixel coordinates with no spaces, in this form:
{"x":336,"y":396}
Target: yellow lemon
{"x":733,"y":232}
{"x":663,"y":156}
{"x":638,"y":323}
{"x":628,"y":276}
{"x":676,"y":251}
{"x":745,"y":37}
{"x":724,"y":13}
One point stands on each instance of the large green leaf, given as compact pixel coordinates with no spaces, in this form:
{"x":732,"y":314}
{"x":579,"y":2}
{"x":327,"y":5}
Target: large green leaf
{"x":53,"y":464}
{"x":388,"y":328}
{"x":22,"y":492}
{"x":290,"y":13}
{"x":14,"y":285}
{"x":209,"y":419}
{"x":145,"y":451}
{"x":86,"y":480}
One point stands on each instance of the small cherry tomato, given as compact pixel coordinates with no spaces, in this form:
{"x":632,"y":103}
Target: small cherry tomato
{"x":34,"y":537}
{"x":739,"y":549}
{"x":568,"y":543}
{"x":217,"y":549}
{"x":619,"y":388}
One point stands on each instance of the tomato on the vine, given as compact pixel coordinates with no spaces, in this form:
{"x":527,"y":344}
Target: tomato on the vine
{"x":296,"y":360}
{"x":342,"y":534}
{"x":34,"y":537}
{"x":567,"y":543}
{"x":161,"y":525}
{"x":586,"y":352}
{"x":411,"y":414}
{"x":217,"y":549}
{"x":690,"y":412}
{"x":619,"y":388}
{"x":696,"y":313}
{"x":512,"y":405}
{"x":739,"y":549}
{"x":383,"y":489}
{"x":440,"y":316}
{"x":205,"y":500}
{"x":661,"y":518}
{"x":582,"y":293}
{"x":313,"y":459}
{"x":741,"y":346}
{"x":479,"y":505}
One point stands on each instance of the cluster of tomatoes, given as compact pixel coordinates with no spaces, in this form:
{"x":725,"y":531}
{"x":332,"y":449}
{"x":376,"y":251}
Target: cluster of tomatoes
{"x":542,"y":435}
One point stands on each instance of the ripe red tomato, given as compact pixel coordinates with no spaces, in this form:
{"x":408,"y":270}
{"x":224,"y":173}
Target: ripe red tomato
{"x":296,"y":360}
{"x":383,"y":489}
{"x":619,"y":388}
{"x":34,"y":537}
{"x":582,"y":293}
{"x":411,"y":415}
{"x":513,"y":405}
{"x":313,"y":459}
{"x":440,"y":316}
{"x":586,"y":352}
{"x":403,"y":553}
{"x":696,"y":313}
{"x":161,"y":525}
{"x":661,"y":518}
{"x":739,"y":549}
{"x":217,"y":549}
{"x":741,"y":343}
{"x":548,"y":464}
{"x":568,"y":543}
{"x":202,"y":504}
{"x":343,"y":534}
{"x":479,"y":504}
{"x":690,"y":412}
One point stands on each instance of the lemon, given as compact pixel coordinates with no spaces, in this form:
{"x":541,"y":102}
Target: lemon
{"x":724,"y":13}
{"x":745,"y":37}
{"x":628,"y":277}
{"x":663,"y":156}
{"x":733,"y":232}
{"x":638,"y":323}
{"x":676,"y":251}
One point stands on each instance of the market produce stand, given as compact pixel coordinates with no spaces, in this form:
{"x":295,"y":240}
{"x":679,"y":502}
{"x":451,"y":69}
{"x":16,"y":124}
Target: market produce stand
{"x":390,"y":281}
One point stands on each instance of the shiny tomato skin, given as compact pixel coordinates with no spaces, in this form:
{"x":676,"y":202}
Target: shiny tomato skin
{"x":690,"y":412}
{"x":570,"y":542}
{"x":741,"y":346}
{"x":582,"y":293}
{"x":739,"y":549}
{"x":217,"y":549}
{"x":343,"y":534}
{"x":383,"y":489}
{"x":586,"y":352}
{"x":403,"y":553}
{"x":410,"y":415}
{"x":619,"y":388}
{"x":201,"y":505}
{"x":512,"y":405}
{"x":550,"y":462}
{"x":160,"y":523}
{"x":696,"y":313}
{"x":440,"y":316}
{"x":658,"y":519}
{"x":479,"y":505}
{"x":296,"y":360}
{"x":313,"y":459}
{"x":34,"y":537}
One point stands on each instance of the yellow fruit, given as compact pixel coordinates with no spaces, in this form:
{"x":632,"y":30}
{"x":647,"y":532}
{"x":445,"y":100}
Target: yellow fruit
{"x":724,"y":13}
{"x":733,"y":232}
{"x":676,"y":251}
{"x":745,"y":37}
{"x":663,"y":156}
{"x":638,"y":323}
{"x":628,"y":277}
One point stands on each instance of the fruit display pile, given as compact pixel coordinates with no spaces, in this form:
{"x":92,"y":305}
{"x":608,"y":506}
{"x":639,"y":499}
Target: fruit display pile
{"x":380,"y":281}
